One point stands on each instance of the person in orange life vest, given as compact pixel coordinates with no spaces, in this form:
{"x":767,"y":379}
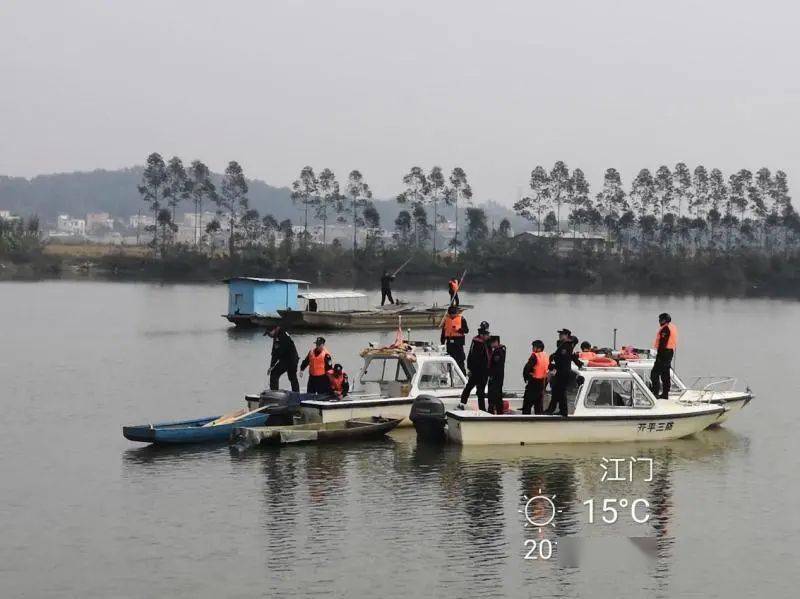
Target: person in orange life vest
{"x":454,"y":327}
{"x":535,"y":376}
{"x":452,"y":288}
{"x":665,"y":343}
{"x":586,"y":354}
{"x":319,"y":362}
{"x":497,"y":373}
{"x":478,"y":365}
{"x":339,"y":383}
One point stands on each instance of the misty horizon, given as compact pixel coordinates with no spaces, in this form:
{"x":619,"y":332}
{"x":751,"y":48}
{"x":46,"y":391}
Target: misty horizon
{"x":382,"y":88}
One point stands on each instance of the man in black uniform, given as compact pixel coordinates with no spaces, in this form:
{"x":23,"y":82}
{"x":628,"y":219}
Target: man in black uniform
{"x":284,"y":358}
{"x":454,"y":328}
{"x":478,"y":366}
{"x":497,"y":372}
{"x":386,"y":288}
{"x":561,"y":361}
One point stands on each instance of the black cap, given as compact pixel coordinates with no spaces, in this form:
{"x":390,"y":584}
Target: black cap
{"x":483,"y":327}
{"x":566,"y":332}
{"x":665,"y":317}
{"x":320,"y":341}
{"x":452,"y":310}
{"x":337,"y":366}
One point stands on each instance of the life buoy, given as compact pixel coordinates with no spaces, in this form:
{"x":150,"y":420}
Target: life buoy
{"x":602,"y":361}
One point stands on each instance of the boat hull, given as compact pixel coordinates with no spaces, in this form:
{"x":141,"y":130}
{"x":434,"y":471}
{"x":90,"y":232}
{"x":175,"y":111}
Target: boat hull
{"x":251,"y":321}
{"x":475,"y":429}
{"x":393,"y":407}
{"x":339,"y":432}
{"x":430,"y":318}
{"x":734,"y":402}
{"x":339,"y":411}
{"x":734,"y":406}
{"x":188,"y":431}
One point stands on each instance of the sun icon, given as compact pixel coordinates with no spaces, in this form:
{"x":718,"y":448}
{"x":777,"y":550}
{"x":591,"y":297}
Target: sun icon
{"x":540,"y":510}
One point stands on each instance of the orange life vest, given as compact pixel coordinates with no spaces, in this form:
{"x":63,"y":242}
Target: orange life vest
{"x":453,"y":285}
{"x":542,"y":363}
{"x":672,"y":340}
{"x":452,"y":326}
{"x":316,"y":362}
{"x":337,"y":382}
{"x":587,"y":355}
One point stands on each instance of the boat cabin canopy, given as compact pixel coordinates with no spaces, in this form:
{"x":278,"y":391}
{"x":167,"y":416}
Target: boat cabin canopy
{"x":259,"y":296}
{"x":612,"y":388}
{"x":400,"y":374}
{"x":334,"y":301}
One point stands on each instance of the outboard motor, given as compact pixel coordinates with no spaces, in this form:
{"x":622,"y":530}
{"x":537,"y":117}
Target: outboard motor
{"x":428,"y":416}
{"x":280,"y":405}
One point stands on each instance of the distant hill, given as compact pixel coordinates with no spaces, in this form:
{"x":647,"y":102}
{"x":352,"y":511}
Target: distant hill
{"x":116,"y":192}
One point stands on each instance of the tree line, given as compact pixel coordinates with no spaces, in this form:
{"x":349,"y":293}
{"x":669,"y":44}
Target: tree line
{"x":167,"y":184}
{"x":694,"y":205}
{"x":19,"y":238}
{"x":672,"y":207}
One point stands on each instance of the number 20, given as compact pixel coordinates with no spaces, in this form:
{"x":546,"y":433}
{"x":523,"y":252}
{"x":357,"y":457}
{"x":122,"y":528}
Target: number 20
{"x":541,"y":550}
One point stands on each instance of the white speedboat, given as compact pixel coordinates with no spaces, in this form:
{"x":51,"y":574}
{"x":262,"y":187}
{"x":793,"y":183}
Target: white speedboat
{"x":717,"y":390}
{"x":389,"y":381}
{"x":607,"y":405}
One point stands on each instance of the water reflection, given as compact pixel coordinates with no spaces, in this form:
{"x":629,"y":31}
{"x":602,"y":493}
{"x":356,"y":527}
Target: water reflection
{"x":171,"y":455}
{"x":282,"y":506}
{"x":396,"y":493}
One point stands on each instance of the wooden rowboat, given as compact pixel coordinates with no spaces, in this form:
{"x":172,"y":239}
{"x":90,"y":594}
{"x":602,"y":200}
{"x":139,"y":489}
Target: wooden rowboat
{"x":200,"y":430}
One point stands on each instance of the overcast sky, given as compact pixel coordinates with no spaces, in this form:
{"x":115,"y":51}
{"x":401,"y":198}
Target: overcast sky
{"x":379,"y":85}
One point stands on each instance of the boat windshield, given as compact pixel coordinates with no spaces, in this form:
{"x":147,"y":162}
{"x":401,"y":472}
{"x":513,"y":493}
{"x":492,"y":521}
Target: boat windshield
{"x":616,"y":393}
{"x":643,"y":370}
{"x":440,"y":375}
{"x":383,"y":370}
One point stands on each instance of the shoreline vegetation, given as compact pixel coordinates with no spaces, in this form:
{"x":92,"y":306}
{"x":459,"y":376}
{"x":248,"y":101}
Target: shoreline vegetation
{"x":674,"y":231}
{"x":502,"y":268}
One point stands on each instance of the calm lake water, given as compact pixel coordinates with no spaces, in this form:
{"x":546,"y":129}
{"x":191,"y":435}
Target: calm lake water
{"x":83,"y":512}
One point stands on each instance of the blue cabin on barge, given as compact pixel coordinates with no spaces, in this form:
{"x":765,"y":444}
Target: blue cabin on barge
{"x":254,"y":301}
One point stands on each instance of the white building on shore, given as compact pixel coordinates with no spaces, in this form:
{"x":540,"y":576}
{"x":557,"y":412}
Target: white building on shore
{"x":71,"y":226}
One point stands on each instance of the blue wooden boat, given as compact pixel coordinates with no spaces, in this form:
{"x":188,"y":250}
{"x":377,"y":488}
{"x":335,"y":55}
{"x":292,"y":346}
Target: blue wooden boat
{"x":190,"y":431}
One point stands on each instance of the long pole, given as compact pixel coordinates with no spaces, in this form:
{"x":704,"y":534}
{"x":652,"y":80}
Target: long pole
{"x":402,"y":266}
{"x":464,"y":274}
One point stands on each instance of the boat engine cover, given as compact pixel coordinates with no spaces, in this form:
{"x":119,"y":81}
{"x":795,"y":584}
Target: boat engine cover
{"x":428,"y":414}
{"x":280,"y":405}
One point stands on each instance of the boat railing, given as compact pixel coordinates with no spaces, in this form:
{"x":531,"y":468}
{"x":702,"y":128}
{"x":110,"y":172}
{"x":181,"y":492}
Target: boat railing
{"x":713,"y":383}
{"x":712,"y":388}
